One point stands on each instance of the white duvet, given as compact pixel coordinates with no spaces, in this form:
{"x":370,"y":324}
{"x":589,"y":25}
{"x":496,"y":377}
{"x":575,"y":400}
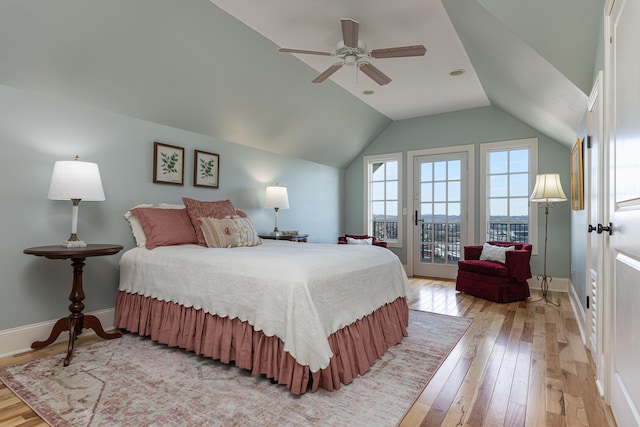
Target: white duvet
{"x":299,"y":292}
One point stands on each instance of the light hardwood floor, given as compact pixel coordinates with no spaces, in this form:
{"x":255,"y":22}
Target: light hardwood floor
{"x":518,"y":364}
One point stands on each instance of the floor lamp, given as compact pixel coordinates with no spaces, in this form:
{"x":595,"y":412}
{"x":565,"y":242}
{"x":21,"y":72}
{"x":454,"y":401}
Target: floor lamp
{"x":548,"y":191}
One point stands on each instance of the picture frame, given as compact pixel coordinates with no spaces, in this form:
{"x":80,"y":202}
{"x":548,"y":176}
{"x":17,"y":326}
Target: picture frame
{"x":168,"y":164}
{"x":577,"y":180}
{"x":206,"y":169}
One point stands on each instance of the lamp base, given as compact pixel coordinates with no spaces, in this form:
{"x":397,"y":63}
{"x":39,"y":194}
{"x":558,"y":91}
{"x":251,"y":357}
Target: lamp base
{"x":74,"y":244}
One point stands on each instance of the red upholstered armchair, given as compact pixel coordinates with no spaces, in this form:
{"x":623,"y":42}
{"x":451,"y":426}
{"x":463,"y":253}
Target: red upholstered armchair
{"x":493,"y":280}
{"x":342,"y":240}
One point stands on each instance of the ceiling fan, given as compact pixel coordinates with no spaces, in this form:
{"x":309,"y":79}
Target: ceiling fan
{"x":353,"y":51}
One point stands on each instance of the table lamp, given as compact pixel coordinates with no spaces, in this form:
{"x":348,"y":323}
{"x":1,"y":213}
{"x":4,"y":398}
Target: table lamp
{"x":277,"y":198}
{"x":75,"y":180}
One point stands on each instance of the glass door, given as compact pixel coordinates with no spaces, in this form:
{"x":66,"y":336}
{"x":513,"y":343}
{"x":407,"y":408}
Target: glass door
{"x":439,"y":218}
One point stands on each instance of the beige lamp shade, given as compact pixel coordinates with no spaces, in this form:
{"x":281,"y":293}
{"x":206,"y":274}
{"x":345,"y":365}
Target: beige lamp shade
{"x":548,"y":189}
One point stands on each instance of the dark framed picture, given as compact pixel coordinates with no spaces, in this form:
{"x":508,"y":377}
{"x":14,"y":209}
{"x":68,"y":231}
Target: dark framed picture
{"x":577,"y":180}
{"x":206,"y":169}
{"x":168,"y":164}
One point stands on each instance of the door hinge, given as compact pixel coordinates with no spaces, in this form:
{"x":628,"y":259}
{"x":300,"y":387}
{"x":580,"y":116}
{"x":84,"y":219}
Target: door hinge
{"x":587,"y":302}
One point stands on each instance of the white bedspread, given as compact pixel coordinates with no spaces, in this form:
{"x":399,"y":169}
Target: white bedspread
{"x":300,"y":292}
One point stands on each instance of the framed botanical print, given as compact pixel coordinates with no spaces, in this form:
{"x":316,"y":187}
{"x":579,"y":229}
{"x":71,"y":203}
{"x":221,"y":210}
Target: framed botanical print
{"x":168,"y":164}
{"x":206,"y":169}
{"x":577,"y":183}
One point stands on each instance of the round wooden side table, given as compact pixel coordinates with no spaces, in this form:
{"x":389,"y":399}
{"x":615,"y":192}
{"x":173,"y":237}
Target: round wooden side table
{"x":76,"y":321}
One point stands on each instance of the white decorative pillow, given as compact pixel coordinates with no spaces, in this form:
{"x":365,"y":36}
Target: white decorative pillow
{"x":495,"y":253}
{"x":229,"y":232}
{"x":134,"y":222}
{"x":352,"y":241}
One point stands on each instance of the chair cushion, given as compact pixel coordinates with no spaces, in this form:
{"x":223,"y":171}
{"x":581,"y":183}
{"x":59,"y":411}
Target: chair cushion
{"x":487,"y":268}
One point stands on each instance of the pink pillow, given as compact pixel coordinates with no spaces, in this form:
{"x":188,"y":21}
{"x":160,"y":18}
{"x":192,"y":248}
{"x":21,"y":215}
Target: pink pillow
{"x":217,"y":209}
{"x":165,"y":227}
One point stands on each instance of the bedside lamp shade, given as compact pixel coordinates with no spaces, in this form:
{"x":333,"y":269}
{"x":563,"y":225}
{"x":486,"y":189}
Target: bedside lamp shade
{"x":277,"y":198}
{"x":75,"y":180}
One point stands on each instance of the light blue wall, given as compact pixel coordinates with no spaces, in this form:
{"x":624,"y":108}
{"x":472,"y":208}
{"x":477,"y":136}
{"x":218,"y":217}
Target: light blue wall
{"x":35,"y":131}
{"x":475,"y":126}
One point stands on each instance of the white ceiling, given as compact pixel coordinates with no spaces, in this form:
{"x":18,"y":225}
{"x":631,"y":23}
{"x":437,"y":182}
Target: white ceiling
{"x":420,"y":86}
{"x":534,"y":60}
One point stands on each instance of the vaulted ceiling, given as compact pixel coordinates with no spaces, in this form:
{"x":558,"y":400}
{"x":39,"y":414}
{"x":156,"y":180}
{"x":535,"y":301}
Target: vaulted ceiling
{"x":213,"y":66}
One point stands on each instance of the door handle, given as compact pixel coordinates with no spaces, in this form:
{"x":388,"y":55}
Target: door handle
{"x":591,"y":228}
{"x":415,"y":218}
{"x":608,"y":229}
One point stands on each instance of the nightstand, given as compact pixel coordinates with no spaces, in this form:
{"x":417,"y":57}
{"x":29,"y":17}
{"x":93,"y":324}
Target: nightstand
{"x":292,"y":238}
{"x":76,"y":321}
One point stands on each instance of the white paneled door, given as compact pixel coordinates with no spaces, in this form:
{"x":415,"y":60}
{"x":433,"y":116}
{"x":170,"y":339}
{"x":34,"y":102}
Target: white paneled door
{"x":623,"y":291}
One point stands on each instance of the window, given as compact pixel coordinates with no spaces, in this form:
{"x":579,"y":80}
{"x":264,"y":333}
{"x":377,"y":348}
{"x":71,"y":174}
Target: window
{"x":508,"y":169}
{"x":382,"y":175}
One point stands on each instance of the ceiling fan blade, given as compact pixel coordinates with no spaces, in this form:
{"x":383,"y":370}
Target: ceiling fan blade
{"x":396,"y":52}
{"x":327,"y":73}
{"x":309,"y":52}
{"x":350,"y":32}
{"x":375,"y":74}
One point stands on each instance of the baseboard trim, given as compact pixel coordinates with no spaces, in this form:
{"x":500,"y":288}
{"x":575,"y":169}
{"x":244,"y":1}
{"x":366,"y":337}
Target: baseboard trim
{"x":18,"y":340}
{"x":558,"y":284}
{"x":580,"y":314}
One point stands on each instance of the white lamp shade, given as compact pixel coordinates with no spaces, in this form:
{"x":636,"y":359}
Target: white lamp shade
{"x":548,"y":189}
{"x":276,"y":197}
{"x":75,"y":180}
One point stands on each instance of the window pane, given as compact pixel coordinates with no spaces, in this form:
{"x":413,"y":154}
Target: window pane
{"x":426,"y":172}
{"x":497,"y":208}
{"x":519,"y":208}
{"x":392,"y":169}
{"x":440,"y":191}
{"x":454,"y":169}
{"x":392,"y":211}
{"x":454,"y":212}
{"x":439,"y":211}
{"x":498,"y":162}
{"x":519,"y":160}
{"x":392,"y":190}
{"x":454,"y":191}
{"x":377,"y":191}
{"x":425,"y":212}
{"x":498,"y":186}
{"x":519,"y":185}
{"x":440,"y":171}
{"x":377,"y":209}
{"x":425,"y":192}
{"x":377,"y":171}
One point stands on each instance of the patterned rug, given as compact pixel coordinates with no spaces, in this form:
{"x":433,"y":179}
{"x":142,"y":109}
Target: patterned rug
{"x":134,"y":381}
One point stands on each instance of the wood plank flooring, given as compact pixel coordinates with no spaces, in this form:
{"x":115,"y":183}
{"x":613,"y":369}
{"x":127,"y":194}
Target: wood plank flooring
{"x":519,"y":364}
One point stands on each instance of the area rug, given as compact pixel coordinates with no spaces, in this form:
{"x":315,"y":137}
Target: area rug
{"x":133,"y":381}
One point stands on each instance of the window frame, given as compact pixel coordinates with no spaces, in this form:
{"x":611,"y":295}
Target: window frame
{"x":367,"y":161}
{"x":485,"y":149}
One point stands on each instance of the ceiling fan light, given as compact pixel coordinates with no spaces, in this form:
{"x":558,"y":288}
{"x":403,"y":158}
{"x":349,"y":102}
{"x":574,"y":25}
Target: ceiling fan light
{"x":350,"y":60}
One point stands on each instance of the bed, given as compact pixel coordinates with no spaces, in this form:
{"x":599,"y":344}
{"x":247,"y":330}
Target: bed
{"x":304,"y":315}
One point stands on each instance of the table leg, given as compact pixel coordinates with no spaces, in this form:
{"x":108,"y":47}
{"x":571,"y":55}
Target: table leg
{"x":76,"y":321}
{"x":60,"y":326}
{"x":92,"y":322}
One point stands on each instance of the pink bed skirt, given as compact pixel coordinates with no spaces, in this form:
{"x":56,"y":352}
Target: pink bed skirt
{"x":355,"y":347}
